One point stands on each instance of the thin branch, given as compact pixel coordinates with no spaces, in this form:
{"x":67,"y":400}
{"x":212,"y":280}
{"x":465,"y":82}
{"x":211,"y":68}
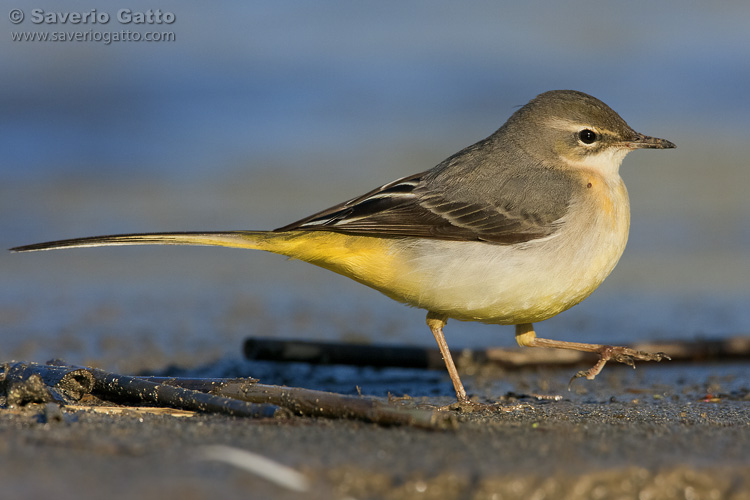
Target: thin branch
{"x":429,"y":358}
{"x":308,"y":402}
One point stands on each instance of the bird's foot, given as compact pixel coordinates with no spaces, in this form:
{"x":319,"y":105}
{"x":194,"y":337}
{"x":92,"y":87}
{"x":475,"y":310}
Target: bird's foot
{"x":620,"y":355}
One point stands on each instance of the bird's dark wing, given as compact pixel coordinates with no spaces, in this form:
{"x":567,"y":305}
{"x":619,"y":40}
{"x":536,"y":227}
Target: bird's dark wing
{"x":412,"y":206}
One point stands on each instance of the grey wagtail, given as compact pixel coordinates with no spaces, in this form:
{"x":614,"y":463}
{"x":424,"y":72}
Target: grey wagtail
{"x":511,"y":230}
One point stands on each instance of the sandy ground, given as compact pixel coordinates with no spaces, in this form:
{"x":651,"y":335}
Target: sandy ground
{"x":662,"y":431}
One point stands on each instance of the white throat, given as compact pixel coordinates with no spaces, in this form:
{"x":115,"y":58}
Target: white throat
{"x":607,"y":162}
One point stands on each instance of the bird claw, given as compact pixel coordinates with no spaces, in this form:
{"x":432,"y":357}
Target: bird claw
{"x":618,"y":354}
{"x":592,"y":372}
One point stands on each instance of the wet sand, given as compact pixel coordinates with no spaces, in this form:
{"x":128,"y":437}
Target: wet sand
{"x":679,"y":431}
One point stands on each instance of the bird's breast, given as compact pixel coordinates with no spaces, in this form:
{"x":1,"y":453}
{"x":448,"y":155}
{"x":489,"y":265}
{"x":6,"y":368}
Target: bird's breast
{"x":528,"y":282}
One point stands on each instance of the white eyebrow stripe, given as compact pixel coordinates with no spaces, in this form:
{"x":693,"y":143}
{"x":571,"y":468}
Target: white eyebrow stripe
{"x":563,"y":124}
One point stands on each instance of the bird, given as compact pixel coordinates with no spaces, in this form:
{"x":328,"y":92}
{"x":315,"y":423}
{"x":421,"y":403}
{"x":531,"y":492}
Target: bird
{"x":511,"y":230}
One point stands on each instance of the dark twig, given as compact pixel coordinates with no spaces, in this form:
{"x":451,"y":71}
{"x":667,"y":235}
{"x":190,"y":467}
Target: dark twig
{"x":429,"y":358}
{"x":318,"y":403}
{"x":336,"y":353}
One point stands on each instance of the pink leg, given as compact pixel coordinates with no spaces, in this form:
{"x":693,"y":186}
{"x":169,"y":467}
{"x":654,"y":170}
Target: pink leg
{"x":436,"y":323}
{"x":526,"y":337}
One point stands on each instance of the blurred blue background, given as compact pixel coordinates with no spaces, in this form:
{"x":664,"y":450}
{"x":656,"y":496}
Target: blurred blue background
{"x":260,"y":113}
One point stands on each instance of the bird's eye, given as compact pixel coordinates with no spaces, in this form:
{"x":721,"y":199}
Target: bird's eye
{"x":587,"y":136}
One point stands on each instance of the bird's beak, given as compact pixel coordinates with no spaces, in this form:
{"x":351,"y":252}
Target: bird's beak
{"x":646,"y":142}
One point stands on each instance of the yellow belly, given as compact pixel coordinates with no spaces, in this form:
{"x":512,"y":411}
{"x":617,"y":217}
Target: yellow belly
{"x":379,"y":263}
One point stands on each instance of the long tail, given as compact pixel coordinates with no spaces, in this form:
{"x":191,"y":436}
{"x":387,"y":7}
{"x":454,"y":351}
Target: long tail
{"x":376,"y":262}
{"x":237,"y":239}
